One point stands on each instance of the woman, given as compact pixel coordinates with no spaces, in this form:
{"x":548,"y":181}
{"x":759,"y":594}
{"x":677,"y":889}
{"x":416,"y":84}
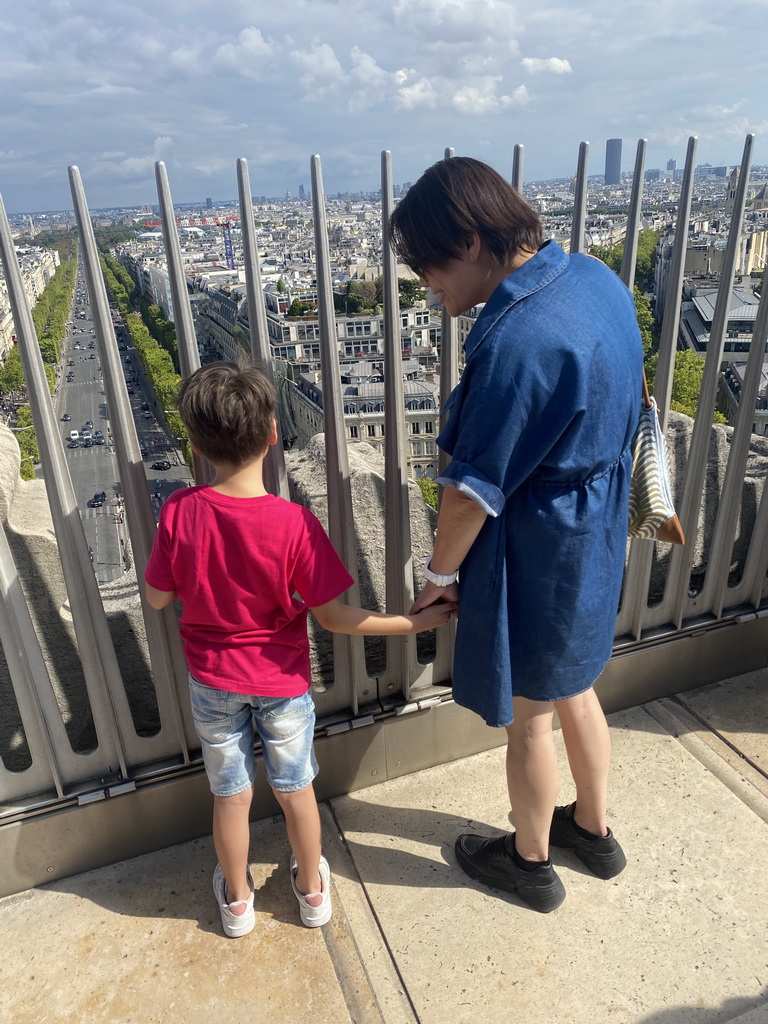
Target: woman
{"x":534,"y":506}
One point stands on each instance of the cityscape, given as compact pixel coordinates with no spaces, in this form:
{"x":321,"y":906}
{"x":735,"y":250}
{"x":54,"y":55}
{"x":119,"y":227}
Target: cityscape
{"x":106,"y":851}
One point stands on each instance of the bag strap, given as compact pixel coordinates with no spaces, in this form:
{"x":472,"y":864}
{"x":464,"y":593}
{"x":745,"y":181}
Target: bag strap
{"x":646,"y":392}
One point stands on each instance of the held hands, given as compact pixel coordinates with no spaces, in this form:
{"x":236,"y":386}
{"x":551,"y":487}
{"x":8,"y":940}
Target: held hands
{"x":434,"y":615}
{"x":432,"y":594}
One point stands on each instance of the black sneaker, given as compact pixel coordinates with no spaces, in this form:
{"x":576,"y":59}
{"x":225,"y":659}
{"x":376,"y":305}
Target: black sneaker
{"x":491,"y":862}
{"x":602,"y":854}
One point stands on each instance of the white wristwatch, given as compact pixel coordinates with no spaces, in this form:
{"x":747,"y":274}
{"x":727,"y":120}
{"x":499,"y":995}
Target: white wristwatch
{"x":439,"y":579}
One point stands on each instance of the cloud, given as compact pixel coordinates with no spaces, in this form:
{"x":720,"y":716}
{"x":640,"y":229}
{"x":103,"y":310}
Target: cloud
{"x":551,"y":65}
{"x":131,"y":168}
{"x":464,"y":21}
{"x":320,"y":70}
{"x":249,"y":57}
{"x":422,"y":93}
{"x":480,"y":98}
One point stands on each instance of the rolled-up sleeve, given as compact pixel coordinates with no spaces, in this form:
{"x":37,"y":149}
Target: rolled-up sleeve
{"x":472,"y":482}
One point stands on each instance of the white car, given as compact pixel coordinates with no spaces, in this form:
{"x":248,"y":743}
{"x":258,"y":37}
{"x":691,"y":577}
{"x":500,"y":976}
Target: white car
{"x":74,"y":435}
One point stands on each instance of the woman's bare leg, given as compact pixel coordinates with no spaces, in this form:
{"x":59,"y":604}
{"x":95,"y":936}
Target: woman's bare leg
{"x":532,"y":776}
{"x":588,"y":744}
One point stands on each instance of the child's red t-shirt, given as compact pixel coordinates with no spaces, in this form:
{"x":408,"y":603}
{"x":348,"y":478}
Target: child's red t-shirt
{"x":246,"y":571}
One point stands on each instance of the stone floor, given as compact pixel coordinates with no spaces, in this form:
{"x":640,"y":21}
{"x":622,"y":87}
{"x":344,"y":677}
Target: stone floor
{"x":679,"y":938}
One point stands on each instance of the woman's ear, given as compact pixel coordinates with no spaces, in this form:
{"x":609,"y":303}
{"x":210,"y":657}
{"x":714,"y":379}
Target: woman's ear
{"x":473,"y":247}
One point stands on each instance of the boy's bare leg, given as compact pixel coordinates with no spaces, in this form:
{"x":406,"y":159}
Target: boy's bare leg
{"x":532,"y":776}
{"x":302,"y":820}
{"x":588,"y":745}
{"x":232,"y":839}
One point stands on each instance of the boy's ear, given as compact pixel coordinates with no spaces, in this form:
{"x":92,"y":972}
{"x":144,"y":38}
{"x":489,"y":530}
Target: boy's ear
{"x":272,"y":439}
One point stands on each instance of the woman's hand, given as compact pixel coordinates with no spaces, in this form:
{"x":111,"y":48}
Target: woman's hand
{"x":432,"y":593}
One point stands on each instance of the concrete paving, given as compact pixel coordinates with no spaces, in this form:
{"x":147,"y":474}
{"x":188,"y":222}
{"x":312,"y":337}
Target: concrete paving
{"x":678,"y":938}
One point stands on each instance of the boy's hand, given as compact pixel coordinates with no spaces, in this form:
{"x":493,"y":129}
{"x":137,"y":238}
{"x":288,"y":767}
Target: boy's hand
{"x":434,"y":615}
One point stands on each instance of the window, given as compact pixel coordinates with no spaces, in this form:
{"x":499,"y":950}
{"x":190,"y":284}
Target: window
{"x":353,"y":432}
{"x":371,"y":430}
{"x":416,"y":448}
{"x":429,"y":427}
{"x":415,"y":428}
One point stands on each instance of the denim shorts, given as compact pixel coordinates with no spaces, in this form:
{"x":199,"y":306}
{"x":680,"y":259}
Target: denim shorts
{"x":227,"y":725}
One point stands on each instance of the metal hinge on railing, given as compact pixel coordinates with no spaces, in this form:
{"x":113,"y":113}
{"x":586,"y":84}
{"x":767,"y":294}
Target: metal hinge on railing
{"x":388,"y":712}
{"x":353,"y":723}
{"x":418,"y":705}
{"x":105,"y":794}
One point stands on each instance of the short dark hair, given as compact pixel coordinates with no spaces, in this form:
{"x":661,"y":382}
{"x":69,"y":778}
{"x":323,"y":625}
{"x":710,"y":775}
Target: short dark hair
{"x":452,"y":200}
{"x":228,"y":409}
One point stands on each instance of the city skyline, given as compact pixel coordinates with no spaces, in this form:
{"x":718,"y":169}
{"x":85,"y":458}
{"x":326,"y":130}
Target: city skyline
{"x":112,"y":90}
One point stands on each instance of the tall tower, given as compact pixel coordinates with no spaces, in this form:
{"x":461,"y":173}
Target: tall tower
{"x":671,"y":165}
{"x":613,"y":162}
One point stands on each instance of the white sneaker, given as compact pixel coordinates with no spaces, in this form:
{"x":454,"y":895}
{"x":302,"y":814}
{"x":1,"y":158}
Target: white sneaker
{"x":311,"y":916}
{"x":234,"y":925}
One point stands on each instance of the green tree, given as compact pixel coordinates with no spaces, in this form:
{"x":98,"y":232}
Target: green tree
{"x":428,"y":491}
{"x":686,"y":382}
{"x":11,"y":374}
{"x":280,"y":285}
{"x":645,"y":321}
{"x":410,"y":292}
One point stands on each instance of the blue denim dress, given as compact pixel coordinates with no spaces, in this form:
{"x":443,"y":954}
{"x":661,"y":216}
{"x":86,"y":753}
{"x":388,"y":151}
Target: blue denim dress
{"x":539,"y":428}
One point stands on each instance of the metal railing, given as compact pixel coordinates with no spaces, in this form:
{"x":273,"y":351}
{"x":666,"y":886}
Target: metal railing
{"x":58,"y":775}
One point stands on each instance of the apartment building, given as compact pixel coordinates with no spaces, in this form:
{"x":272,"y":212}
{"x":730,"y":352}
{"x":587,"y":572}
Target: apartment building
{"x":37,"y":266}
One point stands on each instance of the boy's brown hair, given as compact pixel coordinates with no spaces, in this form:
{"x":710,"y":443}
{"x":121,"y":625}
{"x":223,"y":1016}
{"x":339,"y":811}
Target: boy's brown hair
{"x":228,"y":409}
{"x":453,"y":200}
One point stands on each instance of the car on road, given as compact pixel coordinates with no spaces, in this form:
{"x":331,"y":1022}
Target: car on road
{"x":66,"y":417}
{"x":92,"y":355}
{"x":70,"y":362}
{"x":161,"y":464}
{"x":143,"y":450}
{"x":87,"y":442}
{"x":147,"y":414}
{"x":88,"y":424}
{"x":70,"y":377}
{"x":72,"y":444}
{"x":98,"y":437}
{"x":74,"y":435}
{"x":131,"y":391}
{"x":97,"y":500}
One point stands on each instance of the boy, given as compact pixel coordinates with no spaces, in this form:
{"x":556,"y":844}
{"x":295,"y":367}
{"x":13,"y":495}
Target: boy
{"x":236,"y":557}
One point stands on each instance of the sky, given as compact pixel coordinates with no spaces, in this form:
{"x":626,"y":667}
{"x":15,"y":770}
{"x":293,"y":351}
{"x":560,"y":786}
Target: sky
{"x":113,"y":87}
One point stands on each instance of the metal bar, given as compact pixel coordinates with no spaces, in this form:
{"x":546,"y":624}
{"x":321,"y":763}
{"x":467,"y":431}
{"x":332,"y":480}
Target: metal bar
{"x":275,"y":478}
{"x":715,"y":587}
{"x":442,"y":667}
{"x":189,"y":357}
{"x":580,"y":200}
{"x":100,"y":669}
{"x":348,"y":651}
{"x":517,"y":168}
{"x":40,"y":715}
{"x":634,"y":614}
{"x":682,"y":558}
{"x":402,"y":662}
{"x":629,"y":254}
{"x":166,"y":657}
{"x":670,"y":327}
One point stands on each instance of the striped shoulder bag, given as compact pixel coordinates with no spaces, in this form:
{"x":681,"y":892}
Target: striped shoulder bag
{"x":651,"y":512}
